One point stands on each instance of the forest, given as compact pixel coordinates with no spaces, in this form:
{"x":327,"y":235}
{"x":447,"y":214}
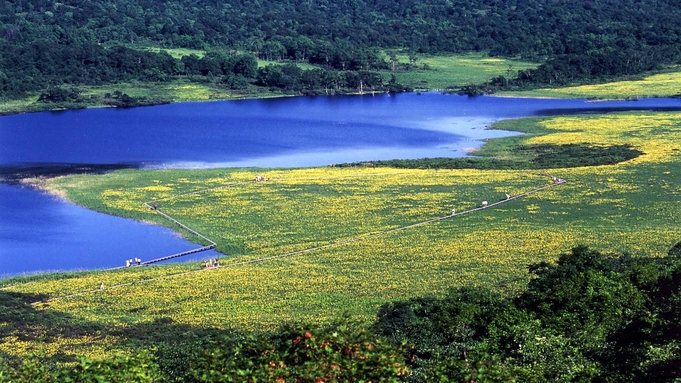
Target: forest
{"x":47,"y":44}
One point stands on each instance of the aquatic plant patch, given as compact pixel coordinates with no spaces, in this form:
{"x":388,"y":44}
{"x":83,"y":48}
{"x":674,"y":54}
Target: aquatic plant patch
{"x":542,"y":156}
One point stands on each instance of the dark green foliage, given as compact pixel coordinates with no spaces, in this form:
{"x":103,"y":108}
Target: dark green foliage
{"x":338,"y":353}
{"x":139,"y":368}
{"x":543,"y":156}
{"x":60,"y":95}
{"x":675,"y":251}
{"x":588,"y":318}
{"x":547,"y":156}
{"x":120,"y":99}
{"x":47,"y":43}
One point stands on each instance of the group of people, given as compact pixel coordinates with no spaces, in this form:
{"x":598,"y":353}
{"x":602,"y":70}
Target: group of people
{"x":132,"y":262}
{"x":211,"y":263}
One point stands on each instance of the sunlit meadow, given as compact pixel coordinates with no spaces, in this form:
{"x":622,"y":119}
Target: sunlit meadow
{"x":629,"y":207}
{"x":657,"y":85}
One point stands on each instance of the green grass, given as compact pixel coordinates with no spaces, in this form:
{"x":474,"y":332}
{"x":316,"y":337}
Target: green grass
{"x":629,"y":207}
{"x":180,"y":90}
{"x":454,"y":71}
{"x":667,"y":84}
{"x":256,"y":218}
{"x":14,"y":106}
{"x":178,"y":53}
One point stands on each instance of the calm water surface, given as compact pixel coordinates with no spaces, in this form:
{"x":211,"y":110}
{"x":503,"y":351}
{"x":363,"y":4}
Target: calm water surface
{"x":40,"y":232}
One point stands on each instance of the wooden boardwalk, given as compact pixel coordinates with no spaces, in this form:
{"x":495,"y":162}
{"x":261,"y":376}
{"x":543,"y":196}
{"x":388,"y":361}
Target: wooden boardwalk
{"x":182,"y":254}
{"x":211,"y":245}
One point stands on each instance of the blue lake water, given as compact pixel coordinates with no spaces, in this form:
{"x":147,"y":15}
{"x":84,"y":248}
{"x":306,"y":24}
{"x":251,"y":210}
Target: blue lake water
{"x":40,"y":232}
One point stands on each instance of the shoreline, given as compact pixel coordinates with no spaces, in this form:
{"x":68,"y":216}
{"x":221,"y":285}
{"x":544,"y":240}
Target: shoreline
{"x":58,"y":108}
{"x":18,"y":173}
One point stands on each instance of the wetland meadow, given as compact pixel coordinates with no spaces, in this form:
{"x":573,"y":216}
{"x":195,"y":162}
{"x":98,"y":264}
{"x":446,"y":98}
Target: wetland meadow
{"x":629,"y":206}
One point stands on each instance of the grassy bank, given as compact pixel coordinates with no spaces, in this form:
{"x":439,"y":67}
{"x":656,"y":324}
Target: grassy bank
{"x":430,"y":72}
{"x":657,"y":85}
{"x":629,"y":207}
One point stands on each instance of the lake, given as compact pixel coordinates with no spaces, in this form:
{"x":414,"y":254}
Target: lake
{"x":39,"y":232}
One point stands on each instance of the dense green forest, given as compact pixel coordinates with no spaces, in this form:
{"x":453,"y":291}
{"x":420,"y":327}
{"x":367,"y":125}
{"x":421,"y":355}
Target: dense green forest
{"x":46,"y":43}
{"x":590,"y":317}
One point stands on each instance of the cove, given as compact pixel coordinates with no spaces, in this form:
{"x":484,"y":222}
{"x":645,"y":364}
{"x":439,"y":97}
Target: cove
{"x":39,"y":232}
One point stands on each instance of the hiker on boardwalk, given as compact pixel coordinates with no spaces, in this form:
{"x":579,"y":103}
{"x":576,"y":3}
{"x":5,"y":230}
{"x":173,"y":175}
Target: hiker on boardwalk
{"x":101,"y":285}
{"x":155,"y":206}
{"x":508,"y":196}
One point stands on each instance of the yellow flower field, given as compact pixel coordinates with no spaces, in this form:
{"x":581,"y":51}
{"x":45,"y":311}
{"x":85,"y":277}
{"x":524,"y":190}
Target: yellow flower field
{"x":629,"y":207}
{"x":658,"y":85}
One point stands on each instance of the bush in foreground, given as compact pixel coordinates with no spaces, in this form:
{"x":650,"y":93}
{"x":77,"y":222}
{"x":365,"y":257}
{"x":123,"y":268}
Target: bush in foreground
{"x":339,"y":353}
{"x":590,"y":317}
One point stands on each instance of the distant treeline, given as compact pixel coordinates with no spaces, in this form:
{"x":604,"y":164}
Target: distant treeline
{"x":49,"y":43}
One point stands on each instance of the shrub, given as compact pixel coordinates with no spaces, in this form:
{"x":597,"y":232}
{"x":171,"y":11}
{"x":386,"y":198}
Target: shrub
{"x":339,"y":353}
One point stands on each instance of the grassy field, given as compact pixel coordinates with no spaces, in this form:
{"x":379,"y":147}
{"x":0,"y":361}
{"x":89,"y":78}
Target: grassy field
{"x":177,"y":53}
{"x":658,"y":85}
{"x":629,"y":207}
{"x":453,"y":71}
{"x":180,"y":90}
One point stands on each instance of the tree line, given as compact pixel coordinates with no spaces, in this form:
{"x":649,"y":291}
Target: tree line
{"x":49,"y":43}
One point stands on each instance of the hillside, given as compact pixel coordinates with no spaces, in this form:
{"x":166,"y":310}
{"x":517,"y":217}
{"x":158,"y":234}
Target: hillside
{"x":47,"y":43}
